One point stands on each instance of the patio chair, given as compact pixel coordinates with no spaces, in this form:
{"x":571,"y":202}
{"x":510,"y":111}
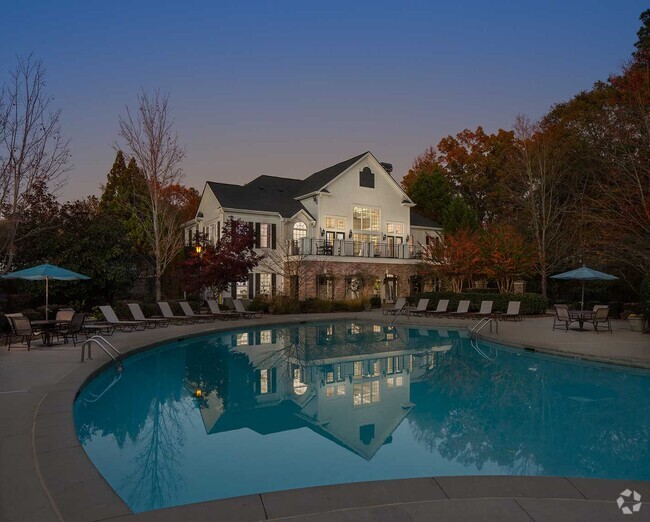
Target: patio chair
{"x":400,"y":304}
{"x":126,"y":326}
{"x":22,"y":329}
{"x":152,"y":322}
{"x":73,"y":329}
{"x":440,"y":310}
{"x":600,"y":317}
{"x":562,"y":318}
{"x":169,"y":315}
{"x":65,"y":314}
{"x":246,"y":314}
{"x":462,"y":311}
{"x":215,"y":310}
{"x":486,"y":309}
{"x":512,"y":312}
{"x":187,"y":310}
{"x":420,"y":309}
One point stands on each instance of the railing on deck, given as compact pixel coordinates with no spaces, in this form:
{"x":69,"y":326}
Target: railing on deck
{"x":348,"y":248}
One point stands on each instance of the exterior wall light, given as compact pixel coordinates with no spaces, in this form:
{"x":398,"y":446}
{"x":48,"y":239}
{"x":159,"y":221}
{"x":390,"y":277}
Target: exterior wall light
{"x":322,"y":232}
{"x":350,"y":234}
{"x":199,"y":249}
{"x":198,"y":392}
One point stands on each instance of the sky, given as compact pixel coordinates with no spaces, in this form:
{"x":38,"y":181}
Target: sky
{"x":287,"y":88}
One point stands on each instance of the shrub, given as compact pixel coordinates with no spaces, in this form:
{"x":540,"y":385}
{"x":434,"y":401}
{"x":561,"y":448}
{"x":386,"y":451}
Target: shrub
{"x":260,"y":303}
{"x":531,"y":304}
{"x":375,"y":301}
{"x":644,"y":294}
{"x":282,"y":304}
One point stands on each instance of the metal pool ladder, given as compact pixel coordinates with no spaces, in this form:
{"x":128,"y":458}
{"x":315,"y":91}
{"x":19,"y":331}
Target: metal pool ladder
{"x":108,"y":349}
{"x":482,"y":324}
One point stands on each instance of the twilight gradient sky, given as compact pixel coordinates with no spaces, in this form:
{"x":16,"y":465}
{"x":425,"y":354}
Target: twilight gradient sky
{"x":287,"y":88}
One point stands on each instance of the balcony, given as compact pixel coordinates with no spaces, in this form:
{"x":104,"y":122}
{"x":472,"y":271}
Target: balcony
{"x":348,"y":248}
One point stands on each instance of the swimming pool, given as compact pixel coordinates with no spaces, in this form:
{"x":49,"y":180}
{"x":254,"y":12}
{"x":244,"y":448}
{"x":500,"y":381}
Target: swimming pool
{"x":314,"y":404}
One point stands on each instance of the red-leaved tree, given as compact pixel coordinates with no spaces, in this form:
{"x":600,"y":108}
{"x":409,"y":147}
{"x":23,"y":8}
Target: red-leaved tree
{"x":507,"y":256}
{"x":229,"y":260}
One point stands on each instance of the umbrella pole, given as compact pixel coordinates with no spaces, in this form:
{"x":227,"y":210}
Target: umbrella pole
{"x":582,"y":303}
{"x":47,"y":297}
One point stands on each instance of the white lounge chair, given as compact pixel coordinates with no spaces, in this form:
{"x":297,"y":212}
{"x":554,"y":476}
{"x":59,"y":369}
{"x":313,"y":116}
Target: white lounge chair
{"x":462,"y":310}
{"x":169,"y":315}
{"x":486,"y":309}
{"x":215,"y":310}
{"x":400,"y":304}
{"x":126,"y":326}
{"x":138,"y":315}
{"x":441,"y":309}
{"x":420,"y":309}
{"x":239,"y":308}
{"x":513,"y":311}
{"x":187,"y":310}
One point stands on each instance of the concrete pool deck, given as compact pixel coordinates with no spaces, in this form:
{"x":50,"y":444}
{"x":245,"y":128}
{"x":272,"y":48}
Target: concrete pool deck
{"x":45,"y":474}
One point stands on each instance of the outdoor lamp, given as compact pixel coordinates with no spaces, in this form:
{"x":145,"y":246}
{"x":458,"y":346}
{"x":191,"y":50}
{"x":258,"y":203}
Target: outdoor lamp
{"x":383,"y":237}
{"x":350,"y":234}
{"x":198,"y":392}
{"x":322,"y":232}
{"x":198,"y":249}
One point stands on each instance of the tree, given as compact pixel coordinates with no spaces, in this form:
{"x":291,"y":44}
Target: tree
{"x":543,"y":190}
{"x":32,"y":148}
{"x":431,"y":192}
{"x":293,"y":265}
{"x":643,"y":43}
{"x":475,"y":164}
{"x":154,"y":145}
{"x":425,"y":162}
{"x":458,"y":216}
{"x":457,"y":257}
{"x":507,"y":256}
{"x":229,"y":260}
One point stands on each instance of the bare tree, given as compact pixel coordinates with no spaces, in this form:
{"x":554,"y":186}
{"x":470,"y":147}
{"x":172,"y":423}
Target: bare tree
{"x":293,"y":265}
{"x":543,"y":191}
{"x":32,"y":148}
{"x":150,"y":139}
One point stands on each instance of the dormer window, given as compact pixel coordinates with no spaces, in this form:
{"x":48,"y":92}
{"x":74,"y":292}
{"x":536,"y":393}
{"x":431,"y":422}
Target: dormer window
{"x":367,"y":178}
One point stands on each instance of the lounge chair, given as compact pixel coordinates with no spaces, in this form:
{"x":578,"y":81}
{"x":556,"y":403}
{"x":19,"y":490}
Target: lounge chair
{"x":440,"y":310}
{"x":215,"y":310}
{"x":512,"y":312}
{"x":152,"y":322}
{"x":239,"y":308}
{"x":21,"y":328}
{"x":125,"y":326}
{"x":187,"y":310}
{"x":65,"y":314}
{"x":462,"y":311}
{"x":601,"y":316}
{"x":420,"y":309}
{"x":169,"y":315}
{"x":73,"y":329}
{"x":562,"y":318}
{"x":399,"y":307}
{"x":486,"y":309}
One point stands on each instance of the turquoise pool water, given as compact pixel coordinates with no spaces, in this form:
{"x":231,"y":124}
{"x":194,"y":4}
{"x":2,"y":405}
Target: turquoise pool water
{"x":313,"y":404}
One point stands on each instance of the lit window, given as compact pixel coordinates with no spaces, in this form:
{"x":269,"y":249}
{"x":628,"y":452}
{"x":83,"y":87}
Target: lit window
{"x":265,"y":235}
{"x":358,"y":368}
{"x":367,"y":219}
{"x":399,"y":381}
{"x":375,"y":391}
{"x":242,"y":339}
{"x":334,"y":223}
{"x":376,"y":328}
{"x":365,"y":393}
{"x":376,"y":367}
{"x":264,"y":381}
{"x":266,"y":337}
{"x":329,"y":377}
{"x":242,"y":290}
{"x":329,"y":391}
{"x":299,"y":231}
{"x":340,"y":390}
{"x":299,"y":387}
{"x":265,"y":284}
{"x":356,"y":393}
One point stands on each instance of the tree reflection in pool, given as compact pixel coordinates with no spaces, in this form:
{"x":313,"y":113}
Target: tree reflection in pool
{"x":297,"y":406}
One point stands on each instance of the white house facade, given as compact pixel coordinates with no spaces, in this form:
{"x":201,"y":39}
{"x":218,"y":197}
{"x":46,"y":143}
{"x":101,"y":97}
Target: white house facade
{"x":342,"y":232}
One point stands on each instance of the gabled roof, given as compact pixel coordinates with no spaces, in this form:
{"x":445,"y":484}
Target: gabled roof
{"x":265,"y":194}
{"x":420,"y":221}
{"x":321,"y":178}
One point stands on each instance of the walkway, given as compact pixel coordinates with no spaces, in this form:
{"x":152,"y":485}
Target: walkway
{"x":46,"y":476}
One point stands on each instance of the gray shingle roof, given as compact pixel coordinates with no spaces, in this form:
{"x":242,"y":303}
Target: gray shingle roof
{"x":420,"y":221}
{"x":321,"y":178}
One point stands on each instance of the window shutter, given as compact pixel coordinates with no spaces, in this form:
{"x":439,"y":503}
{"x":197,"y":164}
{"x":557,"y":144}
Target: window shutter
{"x":252,"y":226}
{"x":258,"y":337}
{"x":273,"y":232}
{"x":274,"y":280}
{"x":218,"y":230}
{"x":233,"y":290}
{"x":257,"y":235}
{"x":250,"y":286}
{"x":273,"y":380}
{"x":257,"y":284}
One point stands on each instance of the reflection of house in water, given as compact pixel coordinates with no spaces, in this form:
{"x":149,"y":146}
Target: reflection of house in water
{"x":347,"y":382}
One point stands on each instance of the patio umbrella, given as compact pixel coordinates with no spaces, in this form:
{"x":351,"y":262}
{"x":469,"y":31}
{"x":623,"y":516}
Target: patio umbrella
{"x":584,"y":274}
{"x":45,"y":272}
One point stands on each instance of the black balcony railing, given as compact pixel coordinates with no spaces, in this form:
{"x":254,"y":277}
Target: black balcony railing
{"x":349,"y":248}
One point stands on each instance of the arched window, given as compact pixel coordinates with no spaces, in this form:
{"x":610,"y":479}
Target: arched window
{"x":299,"y":231}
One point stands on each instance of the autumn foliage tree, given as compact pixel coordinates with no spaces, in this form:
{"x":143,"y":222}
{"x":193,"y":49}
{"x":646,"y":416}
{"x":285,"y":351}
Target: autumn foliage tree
{"x":456,"y":257}
{"x":507,"y":256}
{"x":227,"y":261}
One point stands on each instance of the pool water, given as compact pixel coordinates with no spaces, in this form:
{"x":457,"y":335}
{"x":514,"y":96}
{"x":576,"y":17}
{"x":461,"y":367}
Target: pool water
{"x":313,"y":404}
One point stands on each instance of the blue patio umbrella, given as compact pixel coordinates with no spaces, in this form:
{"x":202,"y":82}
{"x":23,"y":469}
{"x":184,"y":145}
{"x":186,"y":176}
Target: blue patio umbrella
{"x":45,"y":273}
{"x":584,"y":274}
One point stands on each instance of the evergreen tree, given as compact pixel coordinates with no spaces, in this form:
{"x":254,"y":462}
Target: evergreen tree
{"x":432,"y":194}
{"x":459,"y":216}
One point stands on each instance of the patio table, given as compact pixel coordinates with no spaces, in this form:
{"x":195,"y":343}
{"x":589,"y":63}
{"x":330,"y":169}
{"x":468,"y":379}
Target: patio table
{"x":581,"y":316}
{"x":48,"y":327}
